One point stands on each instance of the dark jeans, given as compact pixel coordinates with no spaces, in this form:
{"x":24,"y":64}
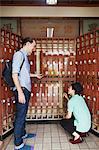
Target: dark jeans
{"x":68,"y":125}
{"x":20,"y":116}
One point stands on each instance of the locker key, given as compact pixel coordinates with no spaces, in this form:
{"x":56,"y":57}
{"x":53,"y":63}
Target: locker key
{"x":10,"y":50}
{"x":37,"y":94}
{"x":7,"y":60}
{"x":76,"y":62}
{"x":54,"y":94}
{"x":48,"y":94}
{"x":85,"y":62}
{"x":41,"y":85}
{"x":63,"y":72}
{"x":31,"y":94}
{"x":89,"y":61}
{"x":88,"y":97}
{"x":94,"y":99}
{"x":93,"y":50}
{"x":46,"y":72}
{"x":93,"y":73}
{"x":3,"y":101}
{"x":46,"y":85}
{"x":5,"y":49}
{"x":8,"y":104}
{"x":31,"y":62}
{"x":35,"y":85}
{"x":94,"y":61}
{"x":6,"y":88}
{"x":80,"y":62}
{"x":1,"y":60}
{"x":43,"y":94}
{"x":93,"y":87}
{"x":84,"y":96}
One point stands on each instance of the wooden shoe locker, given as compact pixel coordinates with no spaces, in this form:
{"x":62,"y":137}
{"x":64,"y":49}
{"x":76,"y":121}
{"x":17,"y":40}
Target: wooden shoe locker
{"x":55,"y":60}
{"x":87,"y":58}
{"x":60,"y":64}
{"x":9,"y":43}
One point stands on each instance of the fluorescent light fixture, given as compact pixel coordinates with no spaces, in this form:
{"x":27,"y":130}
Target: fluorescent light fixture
{"x":51,"y":2}
{"x":50,"y":32}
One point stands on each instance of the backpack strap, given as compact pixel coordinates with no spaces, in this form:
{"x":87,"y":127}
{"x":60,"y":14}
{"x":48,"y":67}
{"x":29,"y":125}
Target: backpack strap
{"x":22,"y":61}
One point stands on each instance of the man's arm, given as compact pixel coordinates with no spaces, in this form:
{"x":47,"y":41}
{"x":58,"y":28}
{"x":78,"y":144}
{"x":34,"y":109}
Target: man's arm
{"x":69,"y":115}
{"x":21,"y":97}
{"x":39,"y":76}
{"x":66,"y":96}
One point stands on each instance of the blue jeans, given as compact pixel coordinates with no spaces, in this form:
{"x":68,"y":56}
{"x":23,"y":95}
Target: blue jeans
{"x":20,"y":116}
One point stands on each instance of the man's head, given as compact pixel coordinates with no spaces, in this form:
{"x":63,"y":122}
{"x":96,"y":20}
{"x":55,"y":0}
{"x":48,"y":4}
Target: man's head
{"x":29,"y":45}
{"x":75,"y":88}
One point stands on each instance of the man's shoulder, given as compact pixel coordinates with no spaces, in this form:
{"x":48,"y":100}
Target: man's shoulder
{"x":74,"y":98}
{"x":18,"y":54}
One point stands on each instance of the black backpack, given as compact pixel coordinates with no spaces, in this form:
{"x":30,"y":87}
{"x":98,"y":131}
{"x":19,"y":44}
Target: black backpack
{"x":7,"y":73}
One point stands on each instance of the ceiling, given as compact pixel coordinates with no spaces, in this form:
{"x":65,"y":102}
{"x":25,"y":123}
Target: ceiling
{"x":84,"y":3}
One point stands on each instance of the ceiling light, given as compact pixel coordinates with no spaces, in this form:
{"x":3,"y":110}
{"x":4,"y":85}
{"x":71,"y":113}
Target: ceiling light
{"x":50,"y":32}
{"x":51,"y":2}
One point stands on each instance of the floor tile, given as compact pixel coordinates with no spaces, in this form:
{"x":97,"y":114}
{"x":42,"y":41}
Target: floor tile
{"x":56,"y":146}
{"x":92,"y":145}
{"x":65,"y":146}
{"x":53,"y":137}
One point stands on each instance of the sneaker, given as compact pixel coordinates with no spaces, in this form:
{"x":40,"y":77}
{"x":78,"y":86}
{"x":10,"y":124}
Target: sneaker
{"x":79,"y":140}
{"x":29,"y":135}
{"x":25,"y":147}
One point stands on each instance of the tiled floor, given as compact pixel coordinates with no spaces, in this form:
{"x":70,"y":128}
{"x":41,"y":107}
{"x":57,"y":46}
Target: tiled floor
{"x":53,"y":137}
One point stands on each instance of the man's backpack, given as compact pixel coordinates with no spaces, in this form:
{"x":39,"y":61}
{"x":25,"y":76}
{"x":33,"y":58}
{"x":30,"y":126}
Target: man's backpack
{"x":7,"y":73}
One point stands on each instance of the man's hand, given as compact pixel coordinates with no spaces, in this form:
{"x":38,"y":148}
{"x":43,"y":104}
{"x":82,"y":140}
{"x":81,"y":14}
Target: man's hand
{"x":68,"y":115}
{"x":39,"y":76}
{"x":66,"y":96}
{"x":21,"y":98}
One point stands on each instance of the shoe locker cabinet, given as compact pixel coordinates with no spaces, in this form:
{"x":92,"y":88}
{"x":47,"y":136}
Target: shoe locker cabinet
{"x":55,"y":60}
{"x":60,"y":61}
{"x":9,"y":43}
{"x":87,"y":61}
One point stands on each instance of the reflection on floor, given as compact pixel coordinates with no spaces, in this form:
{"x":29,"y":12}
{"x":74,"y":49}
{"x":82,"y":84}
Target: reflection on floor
{"x":53,"y":137}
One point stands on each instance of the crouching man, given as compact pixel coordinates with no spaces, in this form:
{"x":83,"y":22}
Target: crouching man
{"x":78,"y":118}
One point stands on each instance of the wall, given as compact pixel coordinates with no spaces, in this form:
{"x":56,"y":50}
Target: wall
{"x":68,"y":28}
{"x":87,"y":22}
{"x":25,"y":11}
{"x":9,"y":24}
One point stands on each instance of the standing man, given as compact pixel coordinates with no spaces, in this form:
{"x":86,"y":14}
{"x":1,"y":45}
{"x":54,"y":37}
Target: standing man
{"x":21,"y":77}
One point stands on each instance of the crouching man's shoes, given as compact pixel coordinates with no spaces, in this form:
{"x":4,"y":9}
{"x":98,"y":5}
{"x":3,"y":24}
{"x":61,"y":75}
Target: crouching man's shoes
{"x":79,"y":140}
{"x":84,"y":134}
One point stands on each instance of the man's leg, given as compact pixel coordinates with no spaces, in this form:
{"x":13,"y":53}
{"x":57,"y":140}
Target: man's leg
{"x":68,"y":125}
{"x":21,"y":110}
{"x":27,"y":95}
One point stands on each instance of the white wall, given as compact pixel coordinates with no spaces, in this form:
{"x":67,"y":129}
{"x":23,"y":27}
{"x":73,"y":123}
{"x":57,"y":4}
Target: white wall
{"x":25,"y":11}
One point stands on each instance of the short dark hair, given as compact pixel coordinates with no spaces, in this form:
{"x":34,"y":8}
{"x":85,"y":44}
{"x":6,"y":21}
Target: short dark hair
{"x":27,"y":39}
{"x":77,"y":87}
